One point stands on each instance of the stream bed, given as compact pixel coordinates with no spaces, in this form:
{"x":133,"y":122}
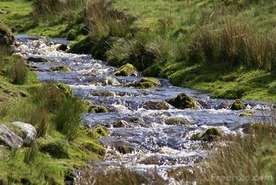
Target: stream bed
{"x":140,"y":139}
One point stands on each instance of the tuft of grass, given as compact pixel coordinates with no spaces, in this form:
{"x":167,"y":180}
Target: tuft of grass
{"x":18,"y":71}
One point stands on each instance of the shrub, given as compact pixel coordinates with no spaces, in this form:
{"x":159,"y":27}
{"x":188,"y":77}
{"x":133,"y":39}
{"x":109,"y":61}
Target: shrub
{"x":18,"y":72}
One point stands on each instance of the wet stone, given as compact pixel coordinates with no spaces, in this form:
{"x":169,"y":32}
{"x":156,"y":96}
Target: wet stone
{"x":182,"y":101}
{"x":156,"y":105}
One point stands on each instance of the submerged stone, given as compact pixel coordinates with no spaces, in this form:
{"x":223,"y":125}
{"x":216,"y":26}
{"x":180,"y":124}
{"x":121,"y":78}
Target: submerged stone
{"x":238,"y":105}
{"x":37,"y":60}
{"x":177,"y":121}
{"x":126,"y":70}
{"x":182,"y":101}
{"x":156,"y":105}
{"x":147,"y":82}
{"x":60,"y":69}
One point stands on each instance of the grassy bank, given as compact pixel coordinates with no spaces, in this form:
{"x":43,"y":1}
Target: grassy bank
{"x":62,"y":144}
{"x":223,"y":47}
{"x":226,"y":48}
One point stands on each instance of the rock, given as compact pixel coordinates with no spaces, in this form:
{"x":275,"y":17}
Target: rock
{"x":26,"y":131}
{"x":97,"y":109}
{"x":9,"y":138}
{"x":246,"y":113}
{"x":60,"y":69}
{"x":182,"y":101}
{"x":126,"y":70}
{"x":156,"y":105}
{"x":102,"y":92}
{"x":155,"y":160}
{"x":6,"y":36}
{"x":147,"y":82}
{"x":209,"y":135}
{"x":237,"y":105}
{"x":37,"y":60}
{"x":120,"y":124}
{"x":223,"y":105}
{"x":123,"y":147}
{"x":62,"y":47}
{"x":177,"y":121}
{"x":111,"y":81}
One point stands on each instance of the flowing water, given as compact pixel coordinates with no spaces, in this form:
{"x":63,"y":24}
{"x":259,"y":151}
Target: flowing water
{"x":148,"y":141}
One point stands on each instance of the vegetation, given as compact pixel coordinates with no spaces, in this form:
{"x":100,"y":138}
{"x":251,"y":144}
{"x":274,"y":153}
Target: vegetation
{"x":60,"y":143}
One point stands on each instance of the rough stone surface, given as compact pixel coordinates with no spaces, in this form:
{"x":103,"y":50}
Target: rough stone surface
{"x":126,"y":70}
{"x":28,"y":131}
{"x":9,"y":138}
{"x":238,"y":105}
{"x":156,"y":105}
{"x":182,"y":101}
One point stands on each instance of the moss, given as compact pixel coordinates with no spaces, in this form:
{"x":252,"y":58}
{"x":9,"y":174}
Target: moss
{"x":147,"y":82}
{"x":182,"y":101}
{"x":55,"y":150}
{"x":126,"y":70}
{"x":209,"y":135}
{"x":237,"y":105}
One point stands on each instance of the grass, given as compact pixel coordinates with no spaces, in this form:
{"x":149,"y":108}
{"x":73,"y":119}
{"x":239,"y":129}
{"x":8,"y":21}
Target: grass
{"x":245,"y":160}
{"x":57,"y":151}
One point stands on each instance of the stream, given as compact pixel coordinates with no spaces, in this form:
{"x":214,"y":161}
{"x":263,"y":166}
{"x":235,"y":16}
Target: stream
{"x":140,"y":139}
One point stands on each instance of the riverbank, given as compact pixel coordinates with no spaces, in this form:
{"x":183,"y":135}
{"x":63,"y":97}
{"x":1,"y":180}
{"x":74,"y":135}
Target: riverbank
{"x":47,"y":119}
{"x":165,"y":39}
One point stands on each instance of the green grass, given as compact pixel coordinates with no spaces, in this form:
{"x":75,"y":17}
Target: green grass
{"x":27,"y":103}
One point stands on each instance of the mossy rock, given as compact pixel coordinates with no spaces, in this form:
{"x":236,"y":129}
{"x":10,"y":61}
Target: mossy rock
{"x":147,"y":82}
{"x":177,"y":121}
{"x":6,"y":36}
{"x":60,"y":69}
{"x":97,"y":109}
{"x":238,"y":105}
{"x":156,"y":105}
{"x":57,"y":150}
{"x":83,"y":46}
{"x":126,"y":70}
{"x":209,"y":135}
{"x":182,"y":101}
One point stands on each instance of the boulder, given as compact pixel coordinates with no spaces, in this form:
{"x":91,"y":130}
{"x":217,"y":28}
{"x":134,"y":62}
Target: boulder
{"x":156,"y":105}
{"x":26,"y":131}
{"x":182,"y":101}
{"x":237,"y":105}
{"x":9,"y":138}
{"x":37,"y":60}
{"x":62,"y":47}
{"x":126,"y":70}
{"x":6,"y":36}
{"x":123,"y":147}
{"x":177,"y":121}
{"x":208,"y":135}
{"x":147,"y":82}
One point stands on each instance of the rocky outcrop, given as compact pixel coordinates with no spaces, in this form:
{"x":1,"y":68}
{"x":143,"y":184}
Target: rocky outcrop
{"x":9,"y":138}
{"x":237,"y":105}
{"x":25,"y":130}
{"x":182,"y":101}
{"x":126,"y":70}
{"x":156,"y":105}
{"x":147,"y":82}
